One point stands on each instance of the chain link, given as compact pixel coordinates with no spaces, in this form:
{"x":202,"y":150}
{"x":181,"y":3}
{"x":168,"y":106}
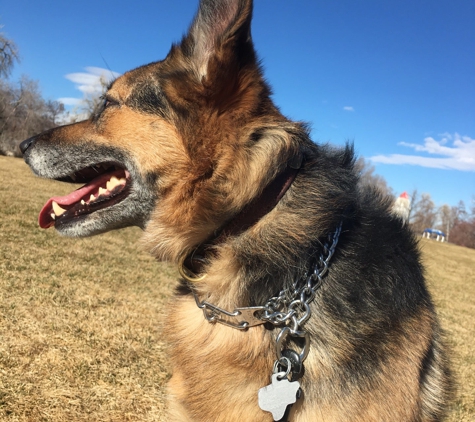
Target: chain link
{"x":290,"y":308}
{"x":295,"y":302}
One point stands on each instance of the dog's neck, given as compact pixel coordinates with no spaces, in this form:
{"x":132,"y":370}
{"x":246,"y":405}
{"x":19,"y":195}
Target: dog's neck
{"x":259,"y":206}
{"x":194,"y":263}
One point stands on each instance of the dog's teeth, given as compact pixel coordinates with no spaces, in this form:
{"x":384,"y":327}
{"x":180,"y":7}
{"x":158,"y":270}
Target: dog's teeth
{"x":102,"y":191}
{"x":57,"y":209}
{"x":113,"y":182}
{"x":53,"y":216}
{"x":83,"y":202}
{"x":92,"y":198}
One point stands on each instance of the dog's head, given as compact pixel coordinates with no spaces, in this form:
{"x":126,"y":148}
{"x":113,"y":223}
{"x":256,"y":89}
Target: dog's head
{"x":179,"y":146}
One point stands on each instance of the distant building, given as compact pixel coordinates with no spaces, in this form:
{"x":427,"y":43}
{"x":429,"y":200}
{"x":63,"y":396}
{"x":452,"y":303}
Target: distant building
{"x":433,"y":233}
{"x":402,"y":207}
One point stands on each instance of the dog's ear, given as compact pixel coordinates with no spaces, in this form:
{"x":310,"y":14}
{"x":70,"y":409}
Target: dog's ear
{"x":219,"y":38}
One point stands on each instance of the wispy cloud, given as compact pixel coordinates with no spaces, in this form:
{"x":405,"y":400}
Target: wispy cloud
{"x":348,"y":108}
{"x":70,"y":101}
{"x":452,"y":152}
{"x":90,"y":83}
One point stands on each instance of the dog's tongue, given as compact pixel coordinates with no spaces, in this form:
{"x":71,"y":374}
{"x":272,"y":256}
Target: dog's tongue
{"x":45,"y":220}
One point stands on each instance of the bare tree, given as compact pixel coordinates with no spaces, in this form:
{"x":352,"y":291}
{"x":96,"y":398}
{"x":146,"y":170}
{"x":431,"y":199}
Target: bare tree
{"x":23,"y":113}
{"x":463,"y":233}
{"x":424,"y":214}
{"x":54,"y":110}
{"x":368,"y":177}
{"x":448,"y":217}
{"x":463,"y":230}
{"x":89,"y":106}
{"x":93,"y":102}
{"x":461,"y":211}
{"x":8,"y":55}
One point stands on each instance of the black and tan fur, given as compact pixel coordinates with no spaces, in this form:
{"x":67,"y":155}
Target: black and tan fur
{"x":201,"y":138}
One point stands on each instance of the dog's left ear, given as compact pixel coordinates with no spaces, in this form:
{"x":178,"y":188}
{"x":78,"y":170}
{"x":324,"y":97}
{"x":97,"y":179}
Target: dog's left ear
{"x":219,"y":38}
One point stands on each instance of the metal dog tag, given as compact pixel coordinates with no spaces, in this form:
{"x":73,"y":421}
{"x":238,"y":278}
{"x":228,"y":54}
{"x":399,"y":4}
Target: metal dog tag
{"x":278,"y":395}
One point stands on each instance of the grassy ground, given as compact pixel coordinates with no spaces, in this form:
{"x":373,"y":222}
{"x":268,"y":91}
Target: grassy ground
{"x":450,"y":272}
{"x":80,"y":319}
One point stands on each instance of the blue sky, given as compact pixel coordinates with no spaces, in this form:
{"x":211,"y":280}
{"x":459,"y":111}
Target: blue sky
{"x":397,"y":78}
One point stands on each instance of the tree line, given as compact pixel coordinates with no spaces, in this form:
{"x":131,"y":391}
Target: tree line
{"x":23,"y":110}
{"x":457,"y":222}
{"x":24,"y":113}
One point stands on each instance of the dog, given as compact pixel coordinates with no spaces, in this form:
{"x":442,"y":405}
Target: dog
{"x":301,"y":296}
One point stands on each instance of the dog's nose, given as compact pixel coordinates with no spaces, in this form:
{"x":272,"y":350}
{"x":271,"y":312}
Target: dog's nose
{"x":27,"y":144}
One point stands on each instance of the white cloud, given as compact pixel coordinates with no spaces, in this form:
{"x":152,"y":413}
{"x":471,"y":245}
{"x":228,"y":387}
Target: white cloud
{"x":68,"y":101}
{"x":91,"y":84}
{"x":348,"y":108}
{"x":92,"y":81}
{"x":454,"y":152}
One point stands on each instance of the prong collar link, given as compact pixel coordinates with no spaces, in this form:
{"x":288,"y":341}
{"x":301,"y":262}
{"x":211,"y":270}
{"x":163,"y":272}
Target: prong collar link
{"x":290,"y":309}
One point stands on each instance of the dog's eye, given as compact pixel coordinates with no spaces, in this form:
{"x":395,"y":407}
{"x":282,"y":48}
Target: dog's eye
{"x":108,"y":102}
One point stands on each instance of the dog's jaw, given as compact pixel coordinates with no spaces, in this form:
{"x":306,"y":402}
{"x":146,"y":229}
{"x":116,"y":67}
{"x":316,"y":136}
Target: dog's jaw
{"x":130,"y":205}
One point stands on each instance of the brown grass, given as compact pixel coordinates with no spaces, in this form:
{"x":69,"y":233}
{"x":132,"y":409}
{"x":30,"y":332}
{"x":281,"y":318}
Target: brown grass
{"x":80,"y":319}
{"x":450,"y":272}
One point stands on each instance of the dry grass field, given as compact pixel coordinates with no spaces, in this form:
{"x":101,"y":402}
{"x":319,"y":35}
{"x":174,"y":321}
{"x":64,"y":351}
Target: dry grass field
{"x":80,"y":319}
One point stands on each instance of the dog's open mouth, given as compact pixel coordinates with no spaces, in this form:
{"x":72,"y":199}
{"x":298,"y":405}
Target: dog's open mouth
{"x":106,"y":185}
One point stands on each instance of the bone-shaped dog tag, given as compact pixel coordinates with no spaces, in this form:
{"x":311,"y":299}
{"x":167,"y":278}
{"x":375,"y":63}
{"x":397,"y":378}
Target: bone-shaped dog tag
{"x":278,"y":395}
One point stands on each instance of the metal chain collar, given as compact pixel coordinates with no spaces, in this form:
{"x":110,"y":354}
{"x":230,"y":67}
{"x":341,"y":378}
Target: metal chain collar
{"x":290,"y":309}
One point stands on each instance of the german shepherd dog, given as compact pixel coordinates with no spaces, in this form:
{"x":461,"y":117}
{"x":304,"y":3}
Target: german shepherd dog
{"x":302,"y":297}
